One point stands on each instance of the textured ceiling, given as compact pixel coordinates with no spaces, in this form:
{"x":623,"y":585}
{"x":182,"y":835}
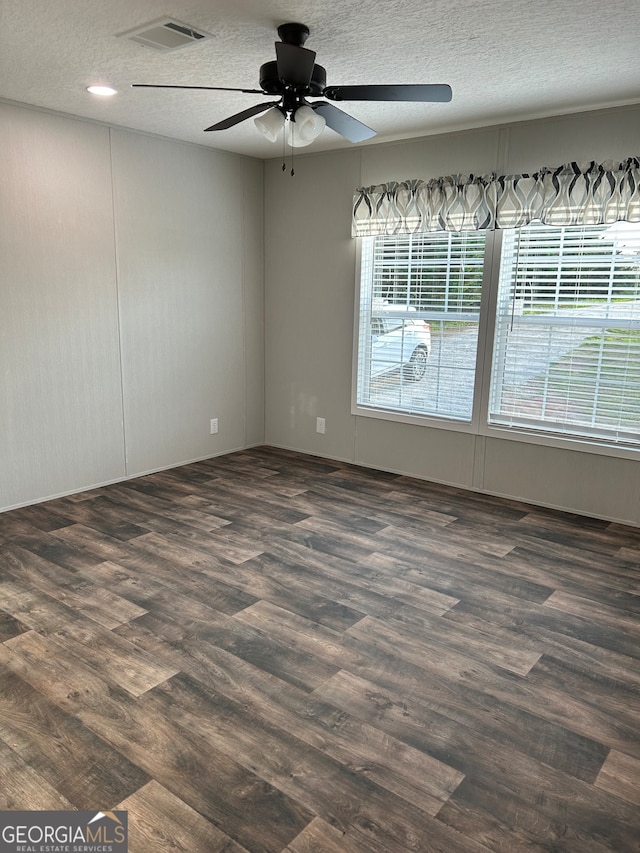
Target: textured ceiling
{"x":504,"y":60}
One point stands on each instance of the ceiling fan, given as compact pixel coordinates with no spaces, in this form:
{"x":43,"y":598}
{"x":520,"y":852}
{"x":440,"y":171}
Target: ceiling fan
{"x":294,"y":76}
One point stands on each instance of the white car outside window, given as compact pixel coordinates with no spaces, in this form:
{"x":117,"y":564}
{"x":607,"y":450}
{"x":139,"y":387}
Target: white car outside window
{"x":399,"y":341}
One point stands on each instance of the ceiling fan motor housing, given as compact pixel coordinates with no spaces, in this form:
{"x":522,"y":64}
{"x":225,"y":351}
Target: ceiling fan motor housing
{"x":272,"y":85}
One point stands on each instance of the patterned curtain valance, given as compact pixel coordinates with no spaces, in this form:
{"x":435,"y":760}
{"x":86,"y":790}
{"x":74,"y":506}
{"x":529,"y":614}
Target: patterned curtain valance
{"x":573,"y":194}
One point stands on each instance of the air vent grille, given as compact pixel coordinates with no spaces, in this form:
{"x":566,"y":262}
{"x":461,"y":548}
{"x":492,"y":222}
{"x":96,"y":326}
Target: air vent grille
{"x":166,"y":34}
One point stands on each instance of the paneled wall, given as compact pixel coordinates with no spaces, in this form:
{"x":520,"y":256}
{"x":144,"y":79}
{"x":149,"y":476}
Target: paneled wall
{"x":132,"y":308}
{"x":131,"y":304}
{"x":310,"y":309}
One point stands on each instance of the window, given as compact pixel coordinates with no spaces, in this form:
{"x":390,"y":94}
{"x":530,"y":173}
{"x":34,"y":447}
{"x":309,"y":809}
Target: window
{"x":418,"y":323}
{"x":566,"y":338}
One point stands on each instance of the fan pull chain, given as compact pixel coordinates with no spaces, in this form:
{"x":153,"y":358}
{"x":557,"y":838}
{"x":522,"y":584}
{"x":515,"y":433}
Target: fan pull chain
{"x":284,"y":145}
{"x":293,"y":130}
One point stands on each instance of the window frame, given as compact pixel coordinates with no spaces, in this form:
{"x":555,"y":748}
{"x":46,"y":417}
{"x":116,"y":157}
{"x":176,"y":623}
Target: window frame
{"x":390,"y":414}
{"x":479,"y":423}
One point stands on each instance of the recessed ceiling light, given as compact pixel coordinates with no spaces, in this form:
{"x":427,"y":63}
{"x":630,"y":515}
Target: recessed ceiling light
{"x":101,"y":90}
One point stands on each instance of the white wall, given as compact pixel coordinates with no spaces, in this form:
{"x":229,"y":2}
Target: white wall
{"x":131,"y":304}
{"x":310,"y":279}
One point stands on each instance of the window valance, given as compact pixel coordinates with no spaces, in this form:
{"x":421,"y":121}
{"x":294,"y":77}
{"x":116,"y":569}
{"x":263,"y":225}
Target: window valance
{"x":573,"y":194}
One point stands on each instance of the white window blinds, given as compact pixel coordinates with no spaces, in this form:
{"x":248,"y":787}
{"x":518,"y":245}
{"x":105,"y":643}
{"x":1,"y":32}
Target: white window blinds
{"x":567,"y":339}
{"x":418,"y":323}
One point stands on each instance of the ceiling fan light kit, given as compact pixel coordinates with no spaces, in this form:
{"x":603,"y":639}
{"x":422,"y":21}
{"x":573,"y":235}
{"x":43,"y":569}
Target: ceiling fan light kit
{"x":271,"y":123}
{"x":305,"y":125}
{"x":294,"y":76}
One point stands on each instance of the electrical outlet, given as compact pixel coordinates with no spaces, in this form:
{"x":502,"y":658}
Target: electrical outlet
{"x":213,"y":426}
{"x":320,"y":425}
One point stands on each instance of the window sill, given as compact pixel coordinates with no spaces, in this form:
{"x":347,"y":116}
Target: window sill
{"x":415,"y":419}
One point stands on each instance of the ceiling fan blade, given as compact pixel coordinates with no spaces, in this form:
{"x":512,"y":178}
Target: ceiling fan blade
{"x":226,"y":123}
{"x":295,"y":64}
{"x":347,"y":126}
{"x":206,"y":88}
{"x":433,"y":93}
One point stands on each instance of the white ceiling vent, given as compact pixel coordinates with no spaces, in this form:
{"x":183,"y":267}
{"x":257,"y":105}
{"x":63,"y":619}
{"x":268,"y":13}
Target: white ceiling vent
{"x":166,"y":34}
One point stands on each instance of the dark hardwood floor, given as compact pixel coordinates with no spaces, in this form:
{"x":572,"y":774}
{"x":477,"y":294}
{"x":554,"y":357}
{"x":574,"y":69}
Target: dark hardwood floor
{"x":272,"y":652}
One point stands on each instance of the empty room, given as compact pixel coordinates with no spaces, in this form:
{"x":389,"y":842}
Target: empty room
{"x":319,"y":427}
